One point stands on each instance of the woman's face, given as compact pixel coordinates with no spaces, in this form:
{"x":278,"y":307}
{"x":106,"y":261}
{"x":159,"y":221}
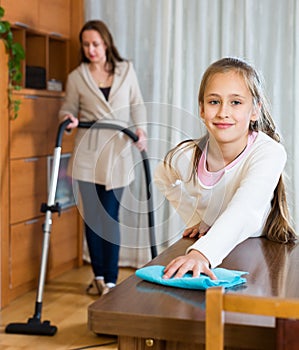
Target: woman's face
{"x":228,"y":108}
{"x":93,"y":46}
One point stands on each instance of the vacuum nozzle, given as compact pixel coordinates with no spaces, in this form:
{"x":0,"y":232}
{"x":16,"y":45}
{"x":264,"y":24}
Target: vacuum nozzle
{"x":32,"y":327}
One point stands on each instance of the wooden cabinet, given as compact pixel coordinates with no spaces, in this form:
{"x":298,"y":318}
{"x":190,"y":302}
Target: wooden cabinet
{"x":59,"y":21}
{"x":32,"y":142}
{"x":33,"y":133}
{"x":44,"y":37}
{"x":25,"y":253}
{"x":58,"y":59}
{"x":28,"y":188}
{"x":45,"y":30}
{"x":24,"y":13}
{"x":52,"y":17}
{"x":47,"y":57}
{"x":26,"y":249}
{"x":64,"y":241}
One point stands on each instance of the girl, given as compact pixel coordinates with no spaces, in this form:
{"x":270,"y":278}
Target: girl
{"x":228,"y":185}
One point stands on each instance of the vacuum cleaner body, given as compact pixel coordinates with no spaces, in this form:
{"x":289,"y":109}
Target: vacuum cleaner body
{"x":34,"y":325}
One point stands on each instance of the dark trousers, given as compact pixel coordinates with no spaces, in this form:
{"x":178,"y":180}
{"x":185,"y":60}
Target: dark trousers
{"x":102,"y":231}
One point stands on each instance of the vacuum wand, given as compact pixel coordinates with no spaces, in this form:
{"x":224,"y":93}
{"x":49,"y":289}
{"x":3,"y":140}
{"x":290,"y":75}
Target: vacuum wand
{"x":34,"y":325}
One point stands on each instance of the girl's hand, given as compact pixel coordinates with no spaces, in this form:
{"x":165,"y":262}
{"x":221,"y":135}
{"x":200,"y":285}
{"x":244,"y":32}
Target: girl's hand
{"x":197,"y":230}
{"x":193,"y":261}
{"x":141,"y":144}
{"x":74,"y":121}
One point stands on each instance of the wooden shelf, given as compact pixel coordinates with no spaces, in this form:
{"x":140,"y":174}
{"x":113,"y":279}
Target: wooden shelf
{"x":47,"y":52}
{"x":58,"y":59}
{"x":38,"y":92}
{"x":48,"y":16}
{"x":23,"y":12}
{"x":45,"y":30}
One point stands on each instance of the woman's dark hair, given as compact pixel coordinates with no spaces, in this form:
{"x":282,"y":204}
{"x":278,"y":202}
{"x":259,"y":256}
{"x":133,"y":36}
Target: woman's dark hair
{"x":277,"y":227}
{"x":112,"y":54}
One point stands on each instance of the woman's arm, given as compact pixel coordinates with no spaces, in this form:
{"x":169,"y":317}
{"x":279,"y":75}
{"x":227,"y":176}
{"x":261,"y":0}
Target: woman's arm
{"x":142,"y":139}
{"x":138,"y":110}
{"x":70,"y":106}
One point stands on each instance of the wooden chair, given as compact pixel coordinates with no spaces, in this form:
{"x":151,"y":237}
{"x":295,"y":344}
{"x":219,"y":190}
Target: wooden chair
{"x":217,"y":302}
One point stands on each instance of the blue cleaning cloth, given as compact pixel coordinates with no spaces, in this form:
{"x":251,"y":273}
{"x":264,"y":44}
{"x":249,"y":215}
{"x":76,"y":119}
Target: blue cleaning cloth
{"x":225,"y":278}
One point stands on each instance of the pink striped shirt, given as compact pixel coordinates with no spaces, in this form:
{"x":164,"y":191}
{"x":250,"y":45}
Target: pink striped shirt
{"x":210,"y":178}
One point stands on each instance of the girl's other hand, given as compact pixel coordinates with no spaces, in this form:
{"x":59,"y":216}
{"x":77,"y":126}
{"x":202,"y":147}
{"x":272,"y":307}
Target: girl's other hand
{"x":197,"y":230}
{"x":193,"y":261}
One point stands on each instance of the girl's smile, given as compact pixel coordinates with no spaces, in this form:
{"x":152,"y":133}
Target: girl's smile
{"x":223,"y":125}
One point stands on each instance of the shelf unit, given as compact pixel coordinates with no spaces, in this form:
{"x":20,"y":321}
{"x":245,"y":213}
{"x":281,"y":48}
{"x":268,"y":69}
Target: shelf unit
{"x":48,"y":52}
{"x":45,"y":30}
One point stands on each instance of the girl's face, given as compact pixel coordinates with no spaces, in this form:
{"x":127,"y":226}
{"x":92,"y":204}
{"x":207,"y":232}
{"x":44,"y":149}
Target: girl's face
{"x":94,"y":46}
{"x":228,"y":108}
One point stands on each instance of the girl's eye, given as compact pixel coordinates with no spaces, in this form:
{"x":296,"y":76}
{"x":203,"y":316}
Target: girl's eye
{"x":236,"y":102}
{"x":213,"y":102}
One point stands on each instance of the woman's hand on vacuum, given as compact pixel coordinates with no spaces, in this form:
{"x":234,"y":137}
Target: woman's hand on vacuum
{"x":193,"y":261}
{"x":74,"y":121}
{"x":141,"y":144}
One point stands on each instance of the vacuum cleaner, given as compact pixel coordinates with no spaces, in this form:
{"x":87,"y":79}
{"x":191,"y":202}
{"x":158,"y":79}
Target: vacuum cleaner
{"x":34,"y":325}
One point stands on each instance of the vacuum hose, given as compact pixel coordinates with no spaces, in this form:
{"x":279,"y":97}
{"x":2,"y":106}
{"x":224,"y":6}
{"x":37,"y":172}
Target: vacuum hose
{"x":34,"y":325}
{"x":134,"y":137}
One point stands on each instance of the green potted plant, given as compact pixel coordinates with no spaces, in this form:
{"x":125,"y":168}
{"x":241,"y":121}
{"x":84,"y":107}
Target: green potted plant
{"x":16,"y":54}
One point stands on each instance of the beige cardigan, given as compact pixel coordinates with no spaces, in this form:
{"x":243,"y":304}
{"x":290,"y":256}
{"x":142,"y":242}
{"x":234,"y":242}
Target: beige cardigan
{"x":104,"y":156}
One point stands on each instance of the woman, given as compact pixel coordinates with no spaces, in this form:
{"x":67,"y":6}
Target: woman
{"x":103,"y":88}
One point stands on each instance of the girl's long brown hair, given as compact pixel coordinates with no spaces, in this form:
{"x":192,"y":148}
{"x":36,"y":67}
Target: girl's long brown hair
{"x":277,"y":227}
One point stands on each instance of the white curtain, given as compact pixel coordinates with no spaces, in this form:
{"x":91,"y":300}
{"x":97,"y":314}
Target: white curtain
{"x":171,"y":43}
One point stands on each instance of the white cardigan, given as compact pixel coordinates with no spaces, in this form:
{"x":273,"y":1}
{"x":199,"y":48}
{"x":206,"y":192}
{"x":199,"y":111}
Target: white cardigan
{"x":236,"y":207}
{"x":104,"y":156}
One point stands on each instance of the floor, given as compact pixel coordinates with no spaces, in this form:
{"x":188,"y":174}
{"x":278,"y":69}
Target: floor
{"x":65,"y":306}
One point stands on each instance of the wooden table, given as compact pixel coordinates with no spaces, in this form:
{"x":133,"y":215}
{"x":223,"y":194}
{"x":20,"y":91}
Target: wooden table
{"x":148,"y":316}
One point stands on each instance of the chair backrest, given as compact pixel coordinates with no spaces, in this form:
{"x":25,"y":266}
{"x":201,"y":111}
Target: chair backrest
{"x":217,"y":302}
